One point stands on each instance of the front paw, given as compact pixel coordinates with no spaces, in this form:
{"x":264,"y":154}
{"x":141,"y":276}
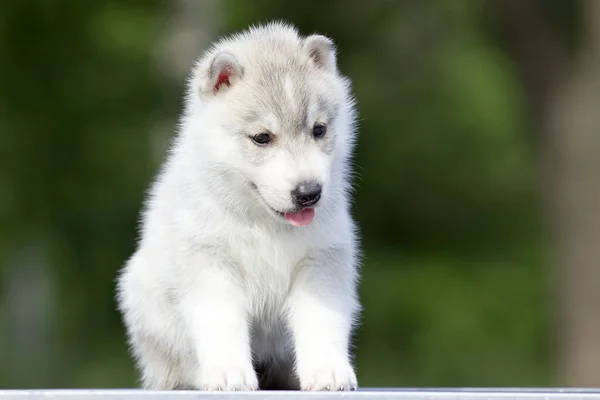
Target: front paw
{"x":226,"y":378}
{"x":332,"y":376}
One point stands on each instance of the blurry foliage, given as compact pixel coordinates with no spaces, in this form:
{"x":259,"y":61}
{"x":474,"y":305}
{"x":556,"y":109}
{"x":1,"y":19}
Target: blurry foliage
{"x":79,"y":96}
{"x":453,"y":287}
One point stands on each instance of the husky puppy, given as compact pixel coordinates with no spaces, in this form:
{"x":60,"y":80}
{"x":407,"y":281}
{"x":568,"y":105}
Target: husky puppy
{"x":245,"y":276}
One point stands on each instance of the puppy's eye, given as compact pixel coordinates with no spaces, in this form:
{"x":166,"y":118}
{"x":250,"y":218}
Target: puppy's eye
{"x":261,"y":139}
{"x":319,"y":130}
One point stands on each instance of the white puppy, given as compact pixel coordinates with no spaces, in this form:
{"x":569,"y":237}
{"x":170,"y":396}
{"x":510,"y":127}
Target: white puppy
{"x":246,"y":270}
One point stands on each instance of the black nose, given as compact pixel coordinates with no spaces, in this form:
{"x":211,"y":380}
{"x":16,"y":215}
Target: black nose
{"x":307,"y":194}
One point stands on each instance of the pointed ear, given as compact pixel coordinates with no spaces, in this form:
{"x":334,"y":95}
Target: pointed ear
{"x":223,"y":71}
{"x":322,"y":51}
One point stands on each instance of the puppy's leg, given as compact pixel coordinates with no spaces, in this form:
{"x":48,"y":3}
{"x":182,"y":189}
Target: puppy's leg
{"x":214,"y":309}
{"x":159,"y":371}
{"x":321,"y":310}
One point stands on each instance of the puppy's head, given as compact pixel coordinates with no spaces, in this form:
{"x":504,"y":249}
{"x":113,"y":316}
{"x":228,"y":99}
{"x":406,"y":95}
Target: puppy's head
{"x":280,"y":117}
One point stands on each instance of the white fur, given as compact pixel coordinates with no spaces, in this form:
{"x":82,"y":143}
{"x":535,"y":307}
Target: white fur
{"x":220,"y":281}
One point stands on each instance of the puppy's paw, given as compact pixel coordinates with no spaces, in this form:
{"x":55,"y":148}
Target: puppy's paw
{"x":227,"y":378}
{"x":330,"y":376}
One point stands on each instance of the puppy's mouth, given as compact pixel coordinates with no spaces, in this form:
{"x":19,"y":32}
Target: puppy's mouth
{"x":298,"y":217}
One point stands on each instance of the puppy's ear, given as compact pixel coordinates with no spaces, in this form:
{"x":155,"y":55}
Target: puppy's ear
{"x":322,"y":52}
{"x":223,"y":71}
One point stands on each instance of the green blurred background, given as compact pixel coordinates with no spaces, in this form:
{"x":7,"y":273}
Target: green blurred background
{"x":468,"y":142}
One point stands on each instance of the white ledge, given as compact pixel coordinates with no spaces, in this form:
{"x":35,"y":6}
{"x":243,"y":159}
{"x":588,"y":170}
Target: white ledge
{"x":364,"y":394}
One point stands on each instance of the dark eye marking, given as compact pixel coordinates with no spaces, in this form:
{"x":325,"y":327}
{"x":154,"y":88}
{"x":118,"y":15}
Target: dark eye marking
{"x":319,"y":130}
{"x":262,"y":139}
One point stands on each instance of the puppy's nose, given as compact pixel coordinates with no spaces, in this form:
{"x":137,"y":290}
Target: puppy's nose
{"x":306,"y":194}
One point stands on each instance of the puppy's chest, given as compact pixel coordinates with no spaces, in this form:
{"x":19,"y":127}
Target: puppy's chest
{"x":268,"y":263}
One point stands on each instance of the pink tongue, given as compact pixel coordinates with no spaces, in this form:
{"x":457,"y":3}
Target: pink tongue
{"x":300,"y":218}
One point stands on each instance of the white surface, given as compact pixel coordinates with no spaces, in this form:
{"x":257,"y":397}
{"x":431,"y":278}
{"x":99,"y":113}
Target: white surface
{"x":381,"y":393}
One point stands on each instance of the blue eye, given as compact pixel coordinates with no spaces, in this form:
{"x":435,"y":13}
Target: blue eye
{"x":319,"y":130}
